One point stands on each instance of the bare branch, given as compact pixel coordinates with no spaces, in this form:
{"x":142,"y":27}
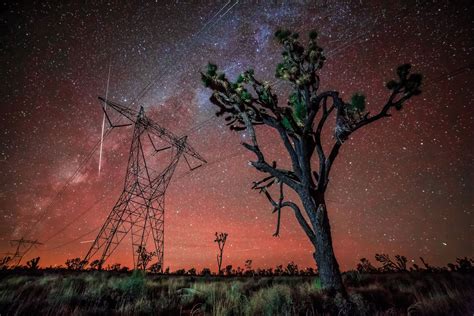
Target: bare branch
{"x":270,"y":121}
{"x":277,"y":207}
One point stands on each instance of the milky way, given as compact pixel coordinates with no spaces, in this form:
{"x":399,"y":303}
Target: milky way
{"x":403,"y":185}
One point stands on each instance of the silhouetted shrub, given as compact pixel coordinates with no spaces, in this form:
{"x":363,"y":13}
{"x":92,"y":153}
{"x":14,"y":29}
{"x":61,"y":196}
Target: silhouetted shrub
{"x":33,"y":264}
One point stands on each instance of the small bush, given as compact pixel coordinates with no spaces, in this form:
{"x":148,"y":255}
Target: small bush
{"x":275,"y":300}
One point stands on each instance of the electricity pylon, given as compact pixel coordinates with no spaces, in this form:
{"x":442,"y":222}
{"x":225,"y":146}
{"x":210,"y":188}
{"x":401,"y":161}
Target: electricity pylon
{"x":140,"y":208}
{"x":22,"y":248}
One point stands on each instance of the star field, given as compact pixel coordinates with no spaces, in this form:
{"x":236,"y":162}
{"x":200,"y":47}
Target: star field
{"x":400,"y":186}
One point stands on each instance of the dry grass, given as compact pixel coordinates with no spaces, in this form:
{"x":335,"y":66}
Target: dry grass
{"x":97,"y":293}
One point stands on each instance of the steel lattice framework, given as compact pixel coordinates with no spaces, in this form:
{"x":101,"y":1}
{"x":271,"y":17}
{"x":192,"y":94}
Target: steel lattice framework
{"x":140,"y":208}
{"x":23,"y":246}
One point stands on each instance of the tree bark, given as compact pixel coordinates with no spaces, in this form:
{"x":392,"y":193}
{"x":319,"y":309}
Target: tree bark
{"x":328,"y":268}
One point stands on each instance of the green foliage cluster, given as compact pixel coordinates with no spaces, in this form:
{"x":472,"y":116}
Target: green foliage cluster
{"x":229,"y":94}
{"x":133,"y":286}
{"x":299,"y":67}
{"x":357,"y":103}
{"x":299,"y":64}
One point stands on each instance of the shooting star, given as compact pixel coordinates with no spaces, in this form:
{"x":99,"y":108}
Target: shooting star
{"x":86,"y":241}
{"x":103,"y":119}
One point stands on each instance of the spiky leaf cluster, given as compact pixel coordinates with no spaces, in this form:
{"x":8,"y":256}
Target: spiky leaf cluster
{"x":299,"y":65}
{"x":408,"y":84}
{"x":357,"y":103}
{"x":298,"y":108}
{"x":245,"y":94}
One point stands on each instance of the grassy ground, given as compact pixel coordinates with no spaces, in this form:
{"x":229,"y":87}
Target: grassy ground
{"x":99,"y":293}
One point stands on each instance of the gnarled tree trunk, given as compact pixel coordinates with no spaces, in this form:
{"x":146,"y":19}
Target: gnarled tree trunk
{"x":328,"y":267}
{"x":300,"y":126}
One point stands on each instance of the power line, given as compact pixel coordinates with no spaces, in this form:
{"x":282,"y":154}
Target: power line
{"x":193,"y":37}
{"x":94,"y":148}
{"x":448,"y":76}
{"x":73,"y":221}
{"x":73,"y":240}
{"x":67,"y":183}
{"x":338,"y":49}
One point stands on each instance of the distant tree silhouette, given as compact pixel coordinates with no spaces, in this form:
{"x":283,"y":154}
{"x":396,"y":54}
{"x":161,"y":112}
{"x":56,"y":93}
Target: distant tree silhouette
{"x":221,"y":238}
{"x":364,"y":266}
{"x":248,"y":102}
{"x":399,"y":265}
{"x":248,"y":267}
{"x":279,"y":270}
{"x":155,"y":268}
{"x":464,"y":265}
{"x":145,"y":257}
{"x":291,"y":268}
{"x":4,"y":262}
{"x":428,"y":267}
{"x":228,"y":270}
{"x":74,"y":264}
{"x":192,"y":271}
{"x":33,"y":264}
{"x":115,"y":267}
{"x":206,"y":272}
{"x":310,"y":271}
{"x":96,"y":264}
{"x":239,"y":271}
{"x":180,"y":272}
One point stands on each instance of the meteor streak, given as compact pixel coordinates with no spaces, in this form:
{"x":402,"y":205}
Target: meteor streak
{"x":103,"y":120}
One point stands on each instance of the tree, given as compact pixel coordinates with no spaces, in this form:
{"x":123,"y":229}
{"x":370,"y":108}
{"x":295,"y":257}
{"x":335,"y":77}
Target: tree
{"x":115,"y":267}
{"x":96,"y":264}
{"x":228,"y":270}
{"x":180,"y":272}
{"x":248,"y":103}
{"x":364,"y":266}
{"x":75,"y":264}
{"x":220,"y":240}
{"x":248,"y":267}
{"x":292,"y":268}
{"x":388,"y":265}
{"x":33,"y":264}
{"x":155,"y":268}
{"x":4,"y":262}
{"x":144,"y":257}
{"x":205,"y":272}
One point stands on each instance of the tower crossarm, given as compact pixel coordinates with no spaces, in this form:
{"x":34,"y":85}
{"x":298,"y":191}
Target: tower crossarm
{"x":179,"y":142}
{"x":153,"y":128}
{"x":129,"y":113}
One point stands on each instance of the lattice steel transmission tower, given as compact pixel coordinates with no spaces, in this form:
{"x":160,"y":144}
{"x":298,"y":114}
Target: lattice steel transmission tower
{"x":140,"y":208}
{"x":22,"y":248}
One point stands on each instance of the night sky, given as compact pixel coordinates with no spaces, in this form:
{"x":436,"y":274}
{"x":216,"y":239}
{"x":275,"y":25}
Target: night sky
{"x":403,"y":185}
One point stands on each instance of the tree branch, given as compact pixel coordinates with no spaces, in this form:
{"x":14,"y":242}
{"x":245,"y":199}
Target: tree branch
{"x":301,"y":220}
{"x":272,"y":122}
{"x":384,"y":112}
{"x":277,"y":206}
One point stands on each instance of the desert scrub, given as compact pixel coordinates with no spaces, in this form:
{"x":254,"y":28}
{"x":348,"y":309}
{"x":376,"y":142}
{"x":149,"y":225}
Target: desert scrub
{"x":275,"y":300}
{"x":132,"y":287}
{"x":48,"y":279}
{"x":105,"y":293}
